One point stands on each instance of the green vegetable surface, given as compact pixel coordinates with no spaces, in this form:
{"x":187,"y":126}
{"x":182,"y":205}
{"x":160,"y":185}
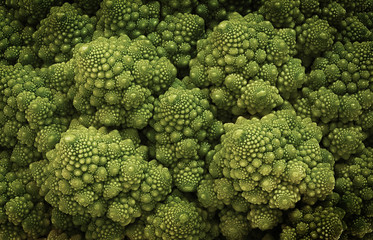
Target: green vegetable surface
{"x":186,"y":119}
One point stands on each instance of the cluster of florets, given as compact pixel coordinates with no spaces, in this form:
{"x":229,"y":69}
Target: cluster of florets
{"x":247,"y":65}
{"x":185,"y":129}
{"x":95,"y":172}
{"x":57,"y":35}
{"x":32,"y":105}
{"x":274,"y":161}
{"x":115,"y":79}
{"x":186,"y":119}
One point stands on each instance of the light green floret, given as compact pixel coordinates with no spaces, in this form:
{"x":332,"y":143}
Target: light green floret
{"x":343,"y":141}
{"x":324,"y":105}
{"x":48,"y":136}
{"x":23,"y":155}
{"x":65,"y":27}
{"x":57,"y":234}
{"x":177,"y":6}
{"x":241,"y":50}
{"x":184,"y":129}
{"x":177,"y":218}
{"x":259,"y":97}
{"x":116,"y":78}
{"x":282,"y":13}
{"x":95,"y":172}
{"x":338,"y":87}
{"x":177,"y":36}
{"x":132,"y":18}
{"x":187,"y":174}
{"x":263,"y":217}
{"x":354,"y":184}
{"x":333,"y":12}
{"x":233,"y":225}
{"x":207,"y":196}
{"x":29,"y":104}
{"x":315,"y":36}
{"x":275,"y":161}
{"x":104,"y":228}
{"x":291,"y":77}
{"x":21,"y":206}
{"x":354,"y":30}
{"x":313,"y":222}
{"x":135,"y":231}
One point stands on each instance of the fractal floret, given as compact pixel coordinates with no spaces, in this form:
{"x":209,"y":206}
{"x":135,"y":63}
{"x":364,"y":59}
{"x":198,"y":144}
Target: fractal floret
{"x":275,"y":161}
{"x":96,"y":172}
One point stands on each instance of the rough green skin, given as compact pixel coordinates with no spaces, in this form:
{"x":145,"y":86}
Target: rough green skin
{"x":239,"y":51}
{"x":275,"y":161}
{"x":115,"y":79}
{"x":313,"y":222}
{"x":57,"y":35}
{"x":97,"y":173}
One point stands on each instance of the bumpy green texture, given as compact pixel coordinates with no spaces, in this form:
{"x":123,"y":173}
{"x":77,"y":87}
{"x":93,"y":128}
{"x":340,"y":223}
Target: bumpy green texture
{"x":14,"y":36}
{"x":354,"y":30}
{"x":339,"y":86}
{"x":132,"y":18}
{"x":333,"y":12}
{"x":104,"y":228}
{"x":315,"y":36}
{"x":354,"y":184}
{"x":313,"y":222}
{"x":343,"y":141}
{"x":258,"y":97}
{"x":177,"y":218}
{"x":56,"y":234}
{"x":57,"y":35}
{"x":177,"y":36}
{"x":32,"y":11}
{"x":22,"y":212}
{"x":264,"y":217}
{"x":274,"y":161}
{"x":215,"y":11}
{"x":89,"y":7}
{"x":29,"y":104}
{"x":169,"y":7}
{"x":241,"y":51}
{"x":233,"y":225}
{"x":282,"y":13}
{"x":184,"y":130}
{"x":186,"y":119}
{"x":115,"y":79}
{"x":98,"y":173}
